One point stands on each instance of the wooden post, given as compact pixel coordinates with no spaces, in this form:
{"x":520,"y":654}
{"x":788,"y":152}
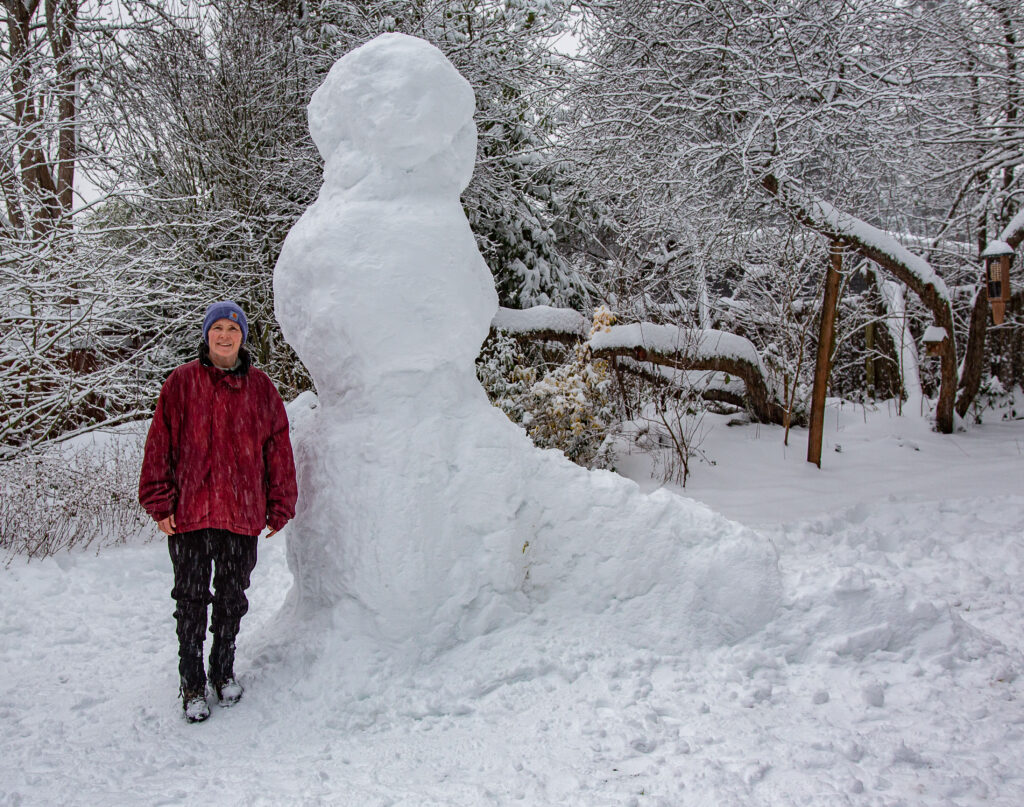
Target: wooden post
{"x":823,"y":365}
{"x":869,"y":362}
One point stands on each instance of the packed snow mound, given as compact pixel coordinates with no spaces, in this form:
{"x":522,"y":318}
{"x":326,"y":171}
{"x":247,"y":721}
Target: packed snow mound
{"x":457,"y":526}
{"x":425,"y":517}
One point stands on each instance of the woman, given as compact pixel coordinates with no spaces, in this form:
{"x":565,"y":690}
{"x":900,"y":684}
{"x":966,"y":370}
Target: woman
{"x":218,"y":468}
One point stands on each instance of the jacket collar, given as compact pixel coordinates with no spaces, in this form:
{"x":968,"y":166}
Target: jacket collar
{"x":240,"y":370}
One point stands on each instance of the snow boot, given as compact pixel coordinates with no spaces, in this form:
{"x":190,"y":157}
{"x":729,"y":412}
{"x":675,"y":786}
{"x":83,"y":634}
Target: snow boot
{"x":193,"y":702}
{"x":229,"y":691}
{"x":222,"y":667}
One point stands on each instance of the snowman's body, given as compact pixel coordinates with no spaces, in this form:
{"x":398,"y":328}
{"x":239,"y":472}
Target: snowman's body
{"x":425,"y":515}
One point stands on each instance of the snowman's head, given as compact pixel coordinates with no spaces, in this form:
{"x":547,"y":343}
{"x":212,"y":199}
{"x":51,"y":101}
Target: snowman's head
{"x":395,"y":111}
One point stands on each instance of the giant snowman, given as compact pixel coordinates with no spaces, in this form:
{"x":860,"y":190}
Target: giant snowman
{"x":425,"y":517}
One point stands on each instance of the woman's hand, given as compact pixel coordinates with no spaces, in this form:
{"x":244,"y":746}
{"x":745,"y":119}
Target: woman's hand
{"x":167,"y":525}
{"x":272,"y":532}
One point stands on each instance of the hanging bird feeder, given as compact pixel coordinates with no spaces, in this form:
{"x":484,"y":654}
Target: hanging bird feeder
{"x":935,"y":340}
{"x":998,"y":256}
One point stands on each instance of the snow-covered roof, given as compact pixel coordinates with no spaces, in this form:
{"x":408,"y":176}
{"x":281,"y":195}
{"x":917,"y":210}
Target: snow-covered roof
{"x":996,"y":248}
{"x":934,"y":335}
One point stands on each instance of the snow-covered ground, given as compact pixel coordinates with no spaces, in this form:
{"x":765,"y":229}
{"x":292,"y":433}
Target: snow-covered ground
{"x":891,"y":676}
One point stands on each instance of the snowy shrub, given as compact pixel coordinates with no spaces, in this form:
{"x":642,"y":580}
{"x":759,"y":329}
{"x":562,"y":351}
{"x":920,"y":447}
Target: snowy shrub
{"x":669,"y":427}
{"x":71,"y":497}
{"x":571,"y":409}
{"x":506,"y":374}
{"x":563,"y":399}
{"x":995,"y":398}
{"x":603,"y":320}
{"x":678,"y":423}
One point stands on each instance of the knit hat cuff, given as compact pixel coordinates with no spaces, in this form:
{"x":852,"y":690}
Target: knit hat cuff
{"x":226,"y":309}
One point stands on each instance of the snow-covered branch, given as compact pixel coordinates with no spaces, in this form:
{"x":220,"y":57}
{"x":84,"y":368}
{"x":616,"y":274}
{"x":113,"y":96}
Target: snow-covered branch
{"x":1013,"y":233}
{"x":543,"y":323}
{"x":693,"y":349}
{"x":655,"y":346}
{"x":869,"y":241}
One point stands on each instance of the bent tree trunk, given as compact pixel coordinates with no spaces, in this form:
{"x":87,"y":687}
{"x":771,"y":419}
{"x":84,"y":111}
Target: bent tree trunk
{"x":758,"y":398}
{"x":974,"y":354}
{"x":661,"y":345}
{"x":912,"y":270}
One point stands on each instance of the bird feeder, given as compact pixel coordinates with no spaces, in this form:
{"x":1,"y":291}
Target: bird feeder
{"x":998,"y":256}
{"x":935,"y":340}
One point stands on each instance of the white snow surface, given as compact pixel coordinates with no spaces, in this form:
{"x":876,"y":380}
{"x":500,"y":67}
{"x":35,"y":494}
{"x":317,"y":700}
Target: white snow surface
{"x":669,"y":339}
{"x":889,"y":676}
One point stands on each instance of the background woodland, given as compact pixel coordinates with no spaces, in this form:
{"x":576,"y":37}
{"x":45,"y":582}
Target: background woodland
{"x":691,"y":166}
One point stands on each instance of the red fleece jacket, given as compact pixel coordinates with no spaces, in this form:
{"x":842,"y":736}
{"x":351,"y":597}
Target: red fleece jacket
{"x":218,"y":454}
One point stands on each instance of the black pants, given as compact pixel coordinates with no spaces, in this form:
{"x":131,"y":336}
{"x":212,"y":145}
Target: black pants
{"x":232,"y":558}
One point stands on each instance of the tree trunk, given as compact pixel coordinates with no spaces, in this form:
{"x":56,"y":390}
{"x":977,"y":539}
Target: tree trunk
{"x":61,"y":25}
{"x":869,"y":361}
{"x":974,"y":353}
{"x":974,"y":358}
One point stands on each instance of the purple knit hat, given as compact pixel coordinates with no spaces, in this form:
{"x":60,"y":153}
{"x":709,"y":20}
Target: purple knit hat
{"x":225,"y":309}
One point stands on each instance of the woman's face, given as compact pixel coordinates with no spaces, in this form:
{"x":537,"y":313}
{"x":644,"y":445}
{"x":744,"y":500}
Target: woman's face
{"x":224,"y":339}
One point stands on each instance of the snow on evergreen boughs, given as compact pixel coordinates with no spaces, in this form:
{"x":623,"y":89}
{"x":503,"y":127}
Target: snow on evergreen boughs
{"x":506,"y":375}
